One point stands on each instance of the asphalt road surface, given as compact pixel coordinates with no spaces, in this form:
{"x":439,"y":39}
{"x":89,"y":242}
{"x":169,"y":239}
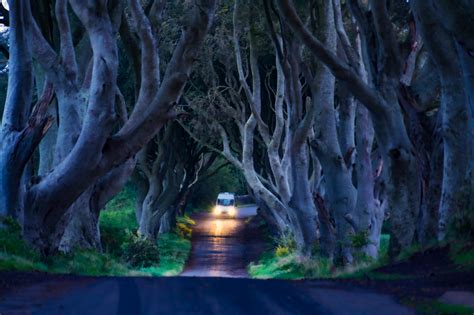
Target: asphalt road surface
{"x":198,"y":295}
{"x":221,"y":248}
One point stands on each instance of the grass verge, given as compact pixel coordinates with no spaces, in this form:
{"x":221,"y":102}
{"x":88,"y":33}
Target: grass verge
{"x":116,"y":225}
{"x":174,"y":251}
{"x":433,"y":307}
{"x":284,"y":263}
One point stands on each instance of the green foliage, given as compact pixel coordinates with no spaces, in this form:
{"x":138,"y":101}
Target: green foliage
{"x":286,"y":240}
{"x":183,"y":226}
{"x":15,"y":254}
{"x":227,"y":178}
{"x":360,"y":239}
{"x":87,"y":262}
{"x":291,"y":266}
{"x":462,"y":254}
{"x":285,"y":263}
{"x":11,"y":241}
{"x":19,"y":263}
{"x":282,"y":251}
{"x":116,"y":220}
{"x":174,"y":251}
{"x":139,"y":252}
{"x":284,"y":245}
{"x":384,"y":242}
{"x":125,"y":253}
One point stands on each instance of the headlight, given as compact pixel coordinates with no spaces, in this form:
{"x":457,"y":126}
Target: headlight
{"x":232,"y":211}
{"x":216,"y":210}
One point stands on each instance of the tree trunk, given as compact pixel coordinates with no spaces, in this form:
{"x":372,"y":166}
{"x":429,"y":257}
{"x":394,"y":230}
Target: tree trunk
{"x":14,"y":151}
{"x":430,"y":207}
{"x":301,"y":199}
{"x":82,"y":226}
{"x":456,"y":118}
{"x":403,"y":189}
{"x":339,"y":191}
{"x":368,"y":212}
{"x":82,"y":218}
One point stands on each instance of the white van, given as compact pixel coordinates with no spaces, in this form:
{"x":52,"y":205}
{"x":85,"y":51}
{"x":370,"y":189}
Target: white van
{"x":225,"y":204}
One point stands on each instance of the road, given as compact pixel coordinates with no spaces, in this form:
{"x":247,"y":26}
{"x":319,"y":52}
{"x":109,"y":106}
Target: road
{"x":196,"y":295}
{"x":223,"y":247}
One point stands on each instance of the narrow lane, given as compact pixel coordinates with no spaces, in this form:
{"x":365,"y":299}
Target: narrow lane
{"x":223,"y":247}
{"x":198,"y":295}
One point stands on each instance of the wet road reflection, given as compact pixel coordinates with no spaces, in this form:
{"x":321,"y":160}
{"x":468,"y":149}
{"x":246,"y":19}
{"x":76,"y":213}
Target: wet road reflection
{"x":220,"y":245}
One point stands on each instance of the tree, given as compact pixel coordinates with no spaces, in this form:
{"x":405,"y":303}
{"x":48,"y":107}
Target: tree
{"x":99,"y":147}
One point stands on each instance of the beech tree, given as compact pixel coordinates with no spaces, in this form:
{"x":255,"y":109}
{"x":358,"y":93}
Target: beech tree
{"x":363,"y":91}
{"x":339,"y":114}
{"x":101,"y":146}
{"x":168,"y":169}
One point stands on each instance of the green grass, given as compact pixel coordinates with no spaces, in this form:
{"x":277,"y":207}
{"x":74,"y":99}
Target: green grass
{"x":10,"y":262}
{"x":463,"y":255}
{"x":283,"y":263}
{"x":174,"y":251}
{"x":88,"y":263}
{"x":438,"y":308}
{"x":116,"y":223}
{"x":116,"y":219}
{"x":15,"y":254}
{"x":290,"y":266}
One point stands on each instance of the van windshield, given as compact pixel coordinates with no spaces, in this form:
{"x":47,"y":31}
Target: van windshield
{"x":225,"y":202}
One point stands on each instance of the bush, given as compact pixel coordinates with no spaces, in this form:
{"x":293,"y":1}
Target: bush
{"x":140,"y":252}
{"x":116,"y":220}
{"x":281,"y":251}
{"x":174,"y":251}
{"x":183,"y":226}
{"x":360,"y":239}
{"x":285,"y":240}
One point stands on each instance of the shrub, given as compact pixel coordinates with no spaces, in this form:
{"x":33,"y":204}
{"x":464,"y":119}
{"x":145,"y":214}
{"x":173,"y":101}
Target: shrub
{"x":360,"y":239}
{"x":183,"y":226}
{"x":114,"y":227}
{"x":140,"y":252}
{"x":116,"y":219}
{"x":287,"y":240}
{"x":281,"y":251}
{"x":174,"y":251}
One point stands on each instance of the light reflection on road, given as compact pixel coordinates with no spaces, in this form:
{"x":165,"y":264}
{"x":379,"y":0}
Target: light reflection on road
{"x":223,"y":227}
{"x":218,"y":245}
